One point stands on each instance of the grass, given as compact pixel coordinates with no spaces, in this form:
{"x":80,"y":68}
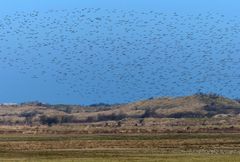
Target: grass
{"x":121,"y":148}
{"x":19,"y":137}
{"x":112,"y":156}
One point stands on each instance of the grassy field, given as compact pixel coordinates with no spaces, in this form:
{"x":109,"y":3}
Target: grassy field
{"x":116,"y":148}
{"x":116,"y":156}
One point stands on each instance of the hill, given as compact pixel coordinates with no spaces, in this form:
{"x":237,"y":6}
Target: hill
{"x":205,"y":112}
{"x":196,"y":106}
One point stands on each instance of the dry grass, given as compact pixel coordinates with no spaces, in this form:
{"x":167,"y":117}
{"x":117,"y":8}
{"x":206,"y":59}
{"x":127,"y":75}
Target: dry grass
{"x":116,"y":148}
{"x":182,"y":107}
{"x":135,"y":158}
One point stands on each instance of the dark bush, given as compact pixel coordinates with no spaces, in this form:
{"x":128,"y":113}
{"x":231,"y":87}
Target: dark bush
{"x":100,"y":105}
{"x":49,"y":120}
{"x":29,"y":115}
{"x":186,"y":115}
{"x":33,"y":103}
{"x":91,"y":119}
{"x":149,"y":113}
{"x":67,"y":119}
{"x":113,"y":116}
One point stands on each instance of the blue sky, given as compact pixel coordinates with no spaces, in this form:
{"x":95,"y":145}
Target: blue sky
{"x":231,"y":6}
{"x":42,"y":78}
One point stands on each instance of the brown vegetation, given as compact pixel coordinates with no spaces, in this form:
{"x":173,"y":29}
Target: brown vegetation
{"x":197,"y":113}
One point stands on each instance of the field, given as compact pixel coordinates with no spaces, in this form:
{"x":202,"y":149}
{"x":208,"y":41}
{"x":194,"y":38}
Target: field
{"x":199,"y":128}
{"x":116,"y":148}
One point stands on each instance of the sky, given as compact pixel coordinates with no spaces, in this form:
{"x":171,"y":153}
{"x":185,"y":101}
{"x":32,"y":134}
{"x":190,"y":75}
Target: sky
{"x":87,"y":73}
{"x":228,"y":6}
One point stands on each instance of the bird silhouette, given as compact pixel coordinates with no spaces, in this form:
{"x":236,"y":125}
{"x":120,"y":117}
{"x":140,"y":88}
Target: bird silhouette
{"x":124,"y":56}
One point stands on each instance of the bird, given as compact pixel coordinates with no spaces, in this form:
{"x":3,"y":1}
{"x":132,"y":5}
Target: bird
{"x":123,"y":55}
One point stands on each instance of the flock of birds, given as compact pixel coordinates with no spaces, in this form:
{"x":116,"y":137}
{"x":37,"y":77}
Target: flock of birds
{"x":120,"y":56}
